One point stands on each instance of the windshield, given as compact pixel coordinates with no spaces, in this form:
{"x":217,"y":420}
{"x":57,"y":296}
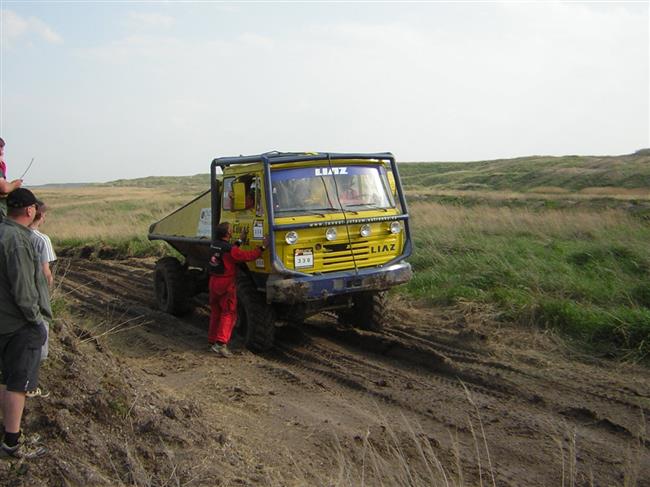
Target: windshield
{"x":336,"y":188}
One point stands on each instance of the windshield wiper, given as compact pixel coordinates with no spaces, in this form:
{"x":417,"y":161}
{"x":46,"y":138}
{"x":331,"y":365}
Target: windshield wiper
{"x":369,"y":206}
{"x":318,"y":211}
{"x":327,"y":208}
{"x":309,"y":211}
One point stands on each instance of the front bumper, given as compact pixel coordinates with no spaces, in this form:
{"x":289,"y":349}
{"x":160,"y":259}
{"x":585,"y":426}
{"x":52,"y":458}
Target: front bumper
{"x":299,"y":289}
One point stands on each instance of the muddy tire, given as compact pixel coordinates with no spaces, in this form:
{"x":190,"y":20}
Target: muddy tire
{"x":197,"y":282}
{"x":255,"y":318}
{"x":369,"y":311}
{"x":170,"y":287}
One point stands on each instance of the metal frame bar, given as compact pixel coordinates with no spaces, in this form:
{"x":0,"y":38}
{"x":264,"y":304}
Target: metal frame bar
{"x":349,"y":221}
{"x":289,"y":157}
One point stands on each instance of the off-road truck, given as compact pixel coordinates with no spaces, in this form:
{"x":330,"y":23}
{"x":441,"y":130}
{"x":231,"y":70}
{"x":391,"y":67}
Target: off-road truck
{"x":339,"y":236}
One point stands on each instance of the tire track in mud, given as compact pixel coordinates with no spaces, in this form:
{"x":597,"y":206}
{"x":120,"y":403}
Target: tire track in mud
{"x":111,"y":280}
{"x":401,"y":385}
{"x":373,"y":365}
{"x":447,"y":363}
{"x":439,"y":363}
{"x":301,"y":370}
{"x":129,"y":302}
{"x":576,"y":385}
{"x":359,"y":374}
{"x":96,"y":292}
{"x":628,"y":405}
{"x":379,"y":365}
{"x":490,"y":378}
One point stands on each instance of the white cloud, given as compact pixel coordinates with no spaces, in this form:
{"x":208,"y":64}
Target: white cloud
{"x":17,"y":29}
{"x":13,"y":25}
{"x":45,"y":31}
{"x":142,"y":19}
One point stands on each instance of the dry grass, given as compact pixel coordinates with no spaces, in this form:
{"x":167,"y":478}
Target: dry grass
{"x":546,"y":193}
{"x":503,"y":220}
{"x":106,"y":212}
{"x":620,"y":193}
{"x":549,"y":190}
{"x":116,"y":213}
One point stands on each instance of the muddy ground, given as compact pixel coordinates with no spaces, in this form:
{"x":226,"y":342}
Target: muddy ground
{"x":442,"y":397}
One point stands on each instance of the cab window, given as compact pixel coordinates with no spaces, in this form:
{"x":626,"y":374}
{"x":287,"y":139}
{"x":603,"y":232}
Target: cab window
{"x":226,"y":202}
{"x":241,"y":193}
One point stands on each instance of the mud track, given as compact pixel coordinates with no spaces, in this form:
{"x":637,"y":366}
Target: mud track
{"x":451,"y":378}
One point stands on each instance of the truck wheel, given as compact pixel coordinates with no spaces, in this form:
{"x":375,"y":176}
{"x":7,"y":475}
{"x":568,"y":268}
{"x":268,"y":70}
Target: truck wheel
{"x":170,"y":287}
{"x":197,"y":282}
{"x":255,"y":318}
{"x":369,"y":311}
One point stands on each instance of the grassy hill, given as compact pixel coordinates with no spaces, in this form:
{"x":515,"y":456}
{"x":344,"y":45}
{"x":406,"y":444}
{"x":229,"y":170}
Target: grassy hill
{"x":197,"y":182}
{"x":573,"y":173}
{"x":533,"y":173}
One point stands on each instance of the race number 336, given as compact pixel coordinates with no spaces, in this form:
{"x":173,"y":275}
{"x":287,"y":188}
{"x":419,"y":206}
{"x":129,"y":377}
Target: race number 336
{"x":303,"y":258}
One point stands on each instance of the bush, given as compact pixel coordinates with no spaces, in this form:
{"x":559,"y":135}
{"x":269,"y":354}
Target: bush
{"x":612,"y":331}
{"x":113,"y":248}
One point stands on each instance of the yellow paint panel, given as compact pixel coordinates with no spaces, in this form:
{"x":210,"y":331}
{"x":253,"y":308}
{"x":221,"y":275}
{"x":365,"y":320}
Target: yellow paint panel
{"x":192,"y":220}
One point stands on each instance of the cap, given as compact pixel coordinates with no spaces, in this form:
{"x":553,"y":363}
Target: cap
{"x":21,"y":198}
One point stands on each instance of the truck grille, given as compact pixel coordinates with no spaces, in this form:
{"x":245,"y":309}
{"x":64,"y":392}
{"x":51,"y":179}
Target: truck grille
{"x":338,"y":253}
{"x":339,"y":256}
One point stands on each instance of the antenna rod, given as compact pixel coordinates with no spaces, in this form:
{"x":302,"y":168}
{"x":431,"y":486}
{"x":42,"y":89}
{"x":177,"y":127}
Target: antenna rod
{"x":30,"y":165}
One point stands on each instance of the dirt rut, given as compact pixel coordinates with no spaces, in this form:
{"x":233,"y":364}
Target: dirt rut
{"x":490,"y":399}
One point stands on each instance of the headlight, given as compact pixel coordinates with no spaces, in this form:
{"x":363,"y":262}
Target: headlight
{"x":291,"y":237}
{"x":395,"y":227}
{"x":330,"y":234}
{"x":365,"y":231}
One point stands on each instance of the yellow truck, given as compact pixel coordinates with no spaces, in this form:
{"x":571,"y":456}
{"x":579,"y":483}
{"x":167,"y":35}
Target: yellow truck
{"x":339,"y":235}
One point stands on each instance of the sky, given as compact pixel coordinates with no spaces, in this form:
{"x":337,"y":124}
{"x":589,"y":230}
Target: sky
{"x":102,"y":90}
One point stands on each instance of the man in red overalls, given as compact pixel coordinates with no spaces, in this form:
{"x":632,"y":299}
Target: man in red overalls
{"x":223,"y":286}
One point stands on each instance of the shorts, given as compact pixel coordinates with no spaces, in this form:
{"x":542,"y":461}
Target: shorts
{"x":20,"y":358}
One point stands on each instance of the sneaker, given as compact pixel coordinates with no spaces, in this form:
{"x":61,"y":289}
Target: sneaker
{"x":221,"y":350}
{"x":32,"y":439}
{"x":38,"y":392}
{"x":22,"y":450}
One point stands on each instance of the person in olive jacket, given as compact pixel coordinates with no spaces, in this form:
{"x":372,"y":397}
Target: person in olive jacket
{"x":24,"y":307}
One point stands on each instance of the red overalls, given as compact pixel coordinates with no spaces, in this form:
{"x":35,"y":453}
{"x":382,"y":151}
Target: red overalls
{"x":223,"y":294}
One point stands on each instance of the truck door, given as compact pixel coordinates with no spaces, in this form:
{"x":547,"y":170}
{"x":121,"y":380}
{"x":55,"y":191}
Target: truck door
{"x":242,"y":207}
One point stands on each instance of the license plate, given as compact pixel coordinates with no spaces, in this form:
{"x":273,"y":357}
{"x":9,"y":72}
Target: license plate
{"x":303,"y":258}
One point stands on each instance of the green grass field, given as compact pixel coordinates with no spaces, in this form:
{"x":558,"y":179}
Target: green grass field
{"x":558,"y":242}
{"x":584,"y":272}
